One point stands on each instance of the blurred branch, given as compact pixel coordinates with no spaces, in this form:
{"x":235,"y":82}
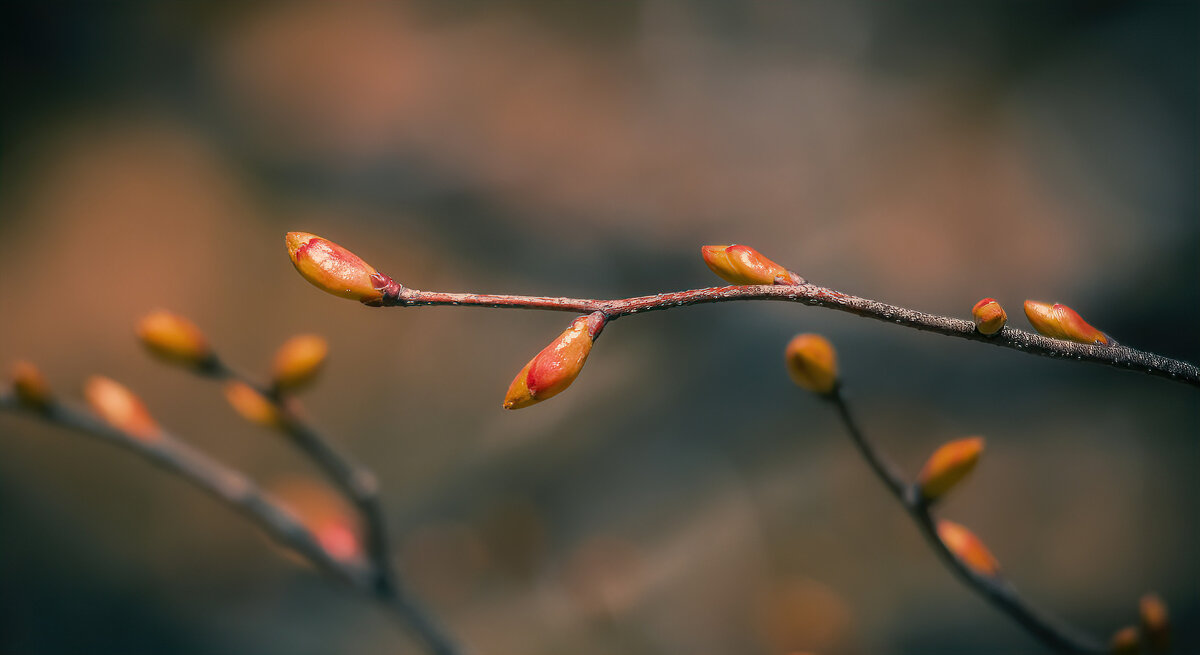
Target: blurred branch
{"x":1115,"y":355}
{"x":998,"y":591}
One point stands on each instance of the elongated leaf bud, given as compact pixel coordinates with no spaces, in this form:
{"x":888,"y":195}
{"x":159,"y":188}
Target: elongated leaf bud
{"x":1125,"y":641}
{"x":174,"y":338}
{"x":333,"y":269}
{"x":120,"y":408}
{"x":812,"y":363}
{"x":298,"y":361}
{"x":554,"y":368}
{"x":251,"y":405}
{"x":967,"y":548}
{"x":989,"y":316}
{"x":1062,"y":322}
{"x":745,"y":265}
{"x":1156,"y":625}
{"x":947,"y":466}
{"x":30,"y":386}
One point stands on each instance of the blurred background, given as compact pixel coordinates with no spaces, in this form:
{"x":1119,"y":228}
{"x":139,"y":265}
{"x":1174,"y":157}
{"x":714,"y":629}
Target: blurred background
{"x":682,"y":496}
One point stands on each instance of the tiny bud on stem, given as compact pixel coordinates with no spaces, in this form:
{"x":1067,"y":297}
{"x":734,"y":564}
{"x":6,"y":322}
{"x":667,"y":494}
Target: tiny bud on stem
{"x":174,"y":338}
{"x":745,"y":265}
{"x":298,"y":361}
{"x":947,"y":466}
{"x":967,"y":548}
{"x":251,"y":405}
{"x":989,"y":316}
{"x":1125,"y":642}
{"x":1062,"y":322}
{"x":1156,"y":625}
{"x":333,"y":269}
{"x":812,"y":363}
{"x":120,"y":408}
{"x":554,"y":368}
{"x":30,"y":386}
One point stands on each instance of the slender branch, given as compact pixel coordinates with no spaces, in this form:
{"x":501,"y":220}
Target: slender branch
{"x":1115,"y":355}
{"x":361,"y":486}
{"x":222,"y":482}
{"x":998,"y":591}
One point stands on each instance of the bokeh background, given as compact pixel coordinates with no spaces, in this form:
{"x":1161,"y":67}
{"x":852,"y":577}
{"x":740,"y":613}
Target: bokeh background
{"x":682,"y":496}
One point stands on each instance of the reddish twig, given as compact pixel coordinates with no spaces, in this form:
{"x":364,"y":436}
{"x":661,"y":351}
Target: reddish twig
{"x":998,"y":591}
{"x":1115,"y":355}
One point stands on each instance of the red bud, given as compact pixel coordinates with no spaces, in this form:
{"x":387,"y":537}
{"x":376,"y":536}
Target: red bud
{"x":989,"y":316}
{"x":557,"y":365}
{"x":745,"y":265}
{"x":1062,"y":322}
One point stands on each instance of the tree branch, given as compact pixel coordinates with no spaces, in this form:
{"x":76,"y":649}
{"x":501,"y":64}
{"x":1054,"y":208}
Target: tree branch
{"x":1115,"y":355}
{"x":995,"y":589}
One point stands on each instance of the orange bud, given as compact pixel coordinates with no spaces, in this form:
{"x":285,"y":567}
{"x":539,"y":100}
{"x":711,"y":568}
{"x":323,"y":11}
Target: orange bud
{"x":251,"y":405}
{"x":120,"y":408}
{"x":557,"y":365}
{"x":967,"y":548}
{"x":745,"y":265}
{"x":1125,"y":642}
{"x":812,"y":363}
{"x":1062,"y":322}
{"x":298,"y":361}
{"x":989,"y":316}
{"x":31,"y":388}
{"x":174,"y":338}
{"x":1155,"y":623}
{"x":334,"y":269}
{"x":324,"y":513}
{"x":947,"y":466}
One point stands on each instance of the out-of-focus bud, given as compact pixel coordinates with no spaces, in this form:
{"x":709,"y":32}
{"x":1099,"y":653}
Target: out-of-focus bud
{"x":174,"y":338}
{"x":812,"y":363}
{"x":1125,"y":642}
{"x":557,"y":365}
{"x":251,"y":405}
{"x":30,"y":387}
{"x":1155,"y":622}
{"x":989,"y":316}
{"x":334,"y":269}
{"x":298,"y":361}
{"x":967,"y":548}
{"x":745,"y":265}
{"x":320,"y":509}
{"x":120,"y":408}
{"x":1062,"y":322}
{"x":947,"y":466}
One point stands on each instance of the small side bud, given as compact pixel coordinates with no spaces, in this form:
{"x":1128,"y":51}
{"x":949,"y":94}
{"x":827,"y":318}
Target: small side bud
{"x":1062,"y":322}
{"x":333,"y":269}
{"x":554,"y":368}
{"x":947,"y":466}
{"x":174,"y":338}
{"x":30,"y":386}
{"x":812,"y":363}
{"x":1156,"y":625}
{"x":251,"y":405}
{"x":967,"y":548}
{"x":323,"y":512}
{"x":298,"y":361}
{"x":120,"y":408}
{"x":989,"y":316}
{"x":1125,"y":642}
{"x":745,"y":265}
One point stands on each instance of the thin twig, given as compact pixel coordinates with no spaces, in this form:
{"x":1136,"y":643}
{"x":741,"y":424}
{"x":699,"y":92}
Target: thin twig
{"x":1115,"y":355}
{"x":360,"y":485}
{"x":998,"y":591}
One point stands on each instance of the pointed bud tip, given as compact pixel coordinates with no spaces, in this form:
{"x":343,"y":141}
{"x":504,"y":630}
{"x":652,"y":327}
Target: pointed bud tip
{"x":948,"y":465}
{"x":553,"y":369}
{"x":174,"y":339}
{"x":989,"y":316}
{"x":1061,"y":322}
{"x":120,"y":407}
{"x":336,"y":270}
{"x":968,"y":548}
{"x":298,"y":361}
{"x":812,"y":363}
